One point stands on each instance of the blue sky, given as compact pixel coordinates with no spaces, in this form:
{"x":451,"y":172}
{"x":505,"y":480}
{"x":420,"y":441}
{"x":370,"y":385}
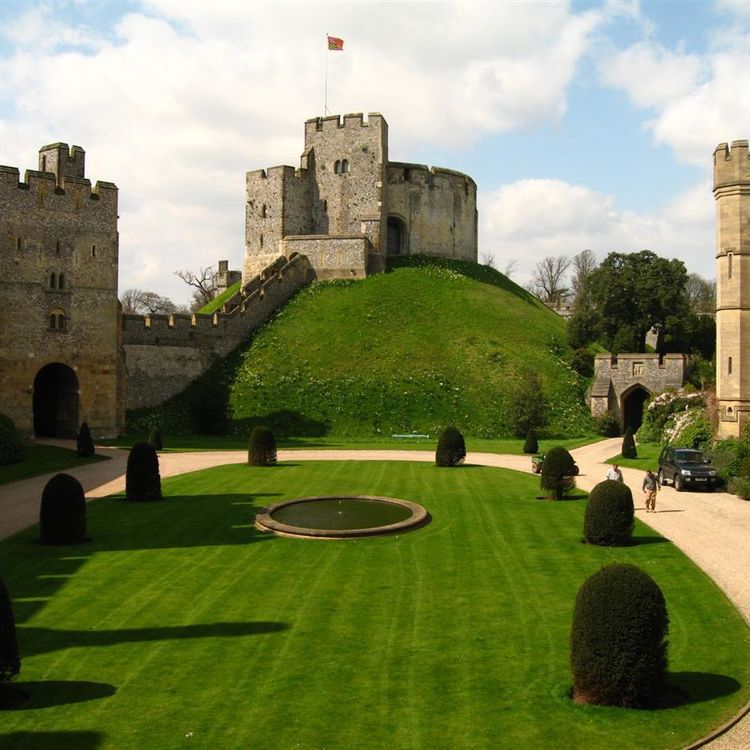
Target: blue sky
{"x":585,"y":124}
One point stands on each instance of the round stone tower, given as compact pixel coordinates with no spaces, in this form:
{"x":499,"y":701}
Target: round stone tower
{"x":732,"y":193}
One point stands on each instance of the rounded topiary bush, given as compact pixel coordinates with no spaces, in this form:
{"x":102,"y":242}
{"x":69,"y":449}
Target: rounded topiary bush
{"x":142,"y":479}
{"x":10,"y":661}
{"x":62,"y":514}
{"x":609,"y":514}
{"x":618,"y":647}
{"x":262,"y":450}
{"x":451,"y":448}
{"x":85,"y":443}
{"x":11,"y":446}
{"x":558,"y":471}
{"x":155,"y":439}
{"x":531,"y":445}
{"x":628,"y":445}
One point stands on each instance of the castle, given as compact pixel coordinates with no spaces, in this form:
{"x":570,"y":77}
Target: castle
{"x":68,"y":354}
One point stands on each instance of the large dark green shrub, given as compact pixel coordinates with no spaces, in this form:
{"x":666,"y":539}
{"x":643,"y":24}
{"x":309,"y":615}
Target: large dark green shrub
{"x":85,"y":443}
{"x":155,"y":439}
{"x":531,"y":445}
{"x":62,"y":514}
{"x":609,"y":514}
{"x":11,"y":446}
{"x":628,"y":445}
{"x":618,"y":647}
{"x":558,"y":471}
{"x":607,"y":424}
{"x":528,"y":407}
{"x":451,"y":448}
{"x":10,"y":661}
{"x":262,"y":451}
{"x":142,"y":479}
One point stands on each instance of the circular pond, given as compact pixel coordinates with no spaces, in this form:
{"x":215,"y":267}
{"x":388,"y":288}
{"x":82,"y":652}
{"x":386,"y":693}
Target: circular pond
{"x":341,"y":516}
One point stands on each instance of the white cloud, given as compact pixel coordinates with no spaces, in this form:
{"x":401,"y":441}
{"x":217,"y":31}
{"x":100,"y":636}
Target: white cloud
{"x":178,"y":101}
{"x":531,"y":219}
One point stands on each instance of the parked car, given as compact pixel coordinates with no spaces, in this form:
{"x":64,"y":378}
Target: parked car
{"x":685,"y":468}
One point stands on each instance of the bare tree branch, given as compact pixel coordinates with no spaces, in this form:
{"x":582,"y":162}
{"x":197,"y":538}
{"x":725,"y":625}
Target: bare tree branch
{"x":583,"y":266}
{"x":141,"y":301}
{"x":510,"y":267}
{"x":203,"y":283}
{"x":547,"y":280}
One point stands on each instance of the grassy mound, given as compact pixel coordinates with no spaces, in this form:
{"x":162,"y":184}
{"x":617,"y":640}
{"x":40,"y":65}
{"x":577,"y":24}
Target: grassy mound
{"x":181,"y":625}
{"x":431,"y":343}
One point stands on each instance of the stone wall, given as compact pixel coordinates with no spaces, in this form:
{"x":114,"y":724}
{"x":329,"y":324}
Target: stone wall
{"x":332,"y":257}
{"x":437,"y":208}
{"x":165,"y":353}
{"x":59,"y":257}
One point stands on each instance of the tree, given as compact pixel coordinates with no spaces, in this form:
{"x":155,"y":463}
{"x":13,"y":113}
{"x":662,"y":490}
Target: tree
{"x":634,"y":293}
{"x":203,"y":283}
{"x":701,"y":294}
{"x":85,"y":443}
{"x":548,"y":279}
{"x":510,"y":267}
{"x":531,"y":445}
{"x":262,"y":450}
{"x":141,"y":301}
{"x":488,"y":259}
{"x":558,"y":471}
{"x":628,"y":449}
{"x":451,"y":448}
{"x":62,"y":514}
{"x":528,"y":407}
{"x":609,"y":515}
{"x":142,"y":478}
{"x":584,"y":265}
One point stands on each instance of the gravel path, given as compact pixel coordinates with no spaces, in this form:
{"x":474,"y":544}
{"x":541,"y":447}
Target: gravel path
{"x":711,"y":528}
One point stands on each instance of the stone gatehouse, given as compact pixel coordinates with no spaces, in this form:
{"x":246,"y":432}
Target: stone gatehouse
{"x":623,"y":382}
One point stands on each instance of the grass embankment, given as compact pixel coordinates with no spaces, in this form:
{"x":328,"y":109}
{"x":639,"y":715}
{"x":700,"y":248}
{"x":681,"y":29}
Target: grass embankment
{"x":217,"y":302}
{"x":180,"y":624}
{"x":413,"y":350}
{"x":43,"y":459}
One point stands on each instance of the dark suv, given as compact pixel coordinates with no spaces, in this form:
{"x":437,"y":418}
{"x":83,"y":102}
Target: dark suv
{"x":685,"y":468}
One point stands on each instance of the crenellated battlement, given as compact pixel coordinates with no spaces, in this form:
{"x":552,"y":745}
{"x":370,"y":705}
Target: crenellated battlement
{"x":350,"y":121}
{"x":421,"y":174}
{"x":731,"y":165}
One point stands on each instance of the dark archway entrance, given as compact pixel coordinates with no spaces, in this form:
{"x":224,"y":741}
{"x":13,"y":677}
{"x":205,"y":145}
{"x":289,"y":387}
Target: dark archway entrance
{"x":56,"y":402}
{"x":396,"y":243}
{"x":632,"y":407}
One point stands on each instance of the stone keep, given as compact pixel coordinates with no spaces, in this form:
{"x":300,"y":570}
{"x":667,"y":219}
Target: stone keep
{"x":60,"y":361}
{"x":732,"y":194}
{"x":347,"y":207}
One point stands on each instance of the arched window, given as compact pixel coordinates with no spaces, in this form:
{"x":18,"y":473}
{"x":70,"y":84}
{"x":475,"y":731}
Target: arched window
{"x":61,"y":281}
{"x":57,"y":320}
{"x":337,"y":167}
{"x":344,"y":166}
{"x":52,"y":281}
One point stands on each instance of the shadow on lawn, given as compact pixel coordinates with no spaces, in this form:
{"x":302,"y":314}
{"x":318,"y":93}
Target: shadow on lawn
{"x":34,"y":641}
{"x":49,"y":740}
{"x":684,"y":688}
{"x":59,"y":693}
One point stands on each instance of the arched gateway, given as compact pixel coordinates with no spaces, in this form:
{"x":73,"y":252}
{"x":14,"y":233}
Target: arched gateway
{"x":623,"y":383}
{"x":56,"y":402}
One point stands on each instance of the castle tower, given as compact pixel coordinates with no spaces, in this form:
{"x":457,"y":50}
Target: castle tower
{"x":63,"y":162}
{"x":732,"y":193}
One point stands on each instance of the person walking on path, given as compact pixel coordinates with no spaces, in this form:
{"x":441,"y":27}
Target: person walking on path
{"x":614,"y":473}
{"x":650,"y":487}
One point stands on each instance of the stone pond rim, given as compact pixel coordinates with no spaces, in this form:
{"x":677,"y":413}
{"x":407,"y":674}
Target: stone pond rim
{"x":411,"y":515}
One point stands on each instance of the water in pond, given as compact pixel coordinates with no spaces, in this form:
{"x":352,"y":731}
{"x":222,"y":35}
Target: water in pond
{"x":344,"y":513}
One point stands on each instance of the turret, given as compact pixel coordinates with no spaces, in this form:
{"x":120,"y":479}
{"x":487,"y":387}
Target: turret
{"x":62,"y":161}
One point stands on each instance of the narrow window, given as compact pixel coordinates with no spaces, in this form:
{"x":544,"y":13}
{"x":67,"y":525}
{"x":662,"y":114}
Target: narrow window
{"x":52,"y":281}
{"x":57,"y":320}
{"x":52,"y":322}
{"x":19,"y":243}
{"x":261,"y":240}
{"x":729,"y":366}
{"x":61,"y":281}
{"x":730,"y":258}
{"x":93,"y":251}
{"x":44,"y":164}
{"x":344,"y":166}
{"x":263,"y":211}
{"x":337,"y":167}
{"x":57,"y":248}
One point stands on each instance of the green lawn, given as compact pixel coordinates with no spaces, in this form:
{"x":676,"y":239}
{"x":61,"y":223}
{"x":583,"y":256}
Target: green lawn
{"x":648,"y":457}
{"x":43,"y":459}
{"x":180,"y":625}
{"x":512,"y":446}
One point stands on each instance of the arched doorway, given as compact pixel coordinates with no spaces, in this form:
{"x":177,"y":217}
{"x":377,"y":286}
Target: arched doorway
{"x":632,"y":407}
{"x":56,"y":402}
{"x":396,"y":241}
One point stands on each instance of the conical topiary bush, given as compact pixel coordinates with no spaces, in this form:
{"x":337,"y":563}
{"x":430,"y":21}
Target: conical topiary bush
{"x":531,"y":445}
{"x":142,"y":479}
{"x":84,"y":443}
{"x":451,"y":448}
{"x":609,"y":514}
{"x":12,"y":448}
{"x":262,"y":450}
{"x":618,"y":647}
{"x":628,"y":445}
{"x":10,"y":661}
{"x":62,"y":514}
{"x":558,"y":471}
{"x":155,"y":439}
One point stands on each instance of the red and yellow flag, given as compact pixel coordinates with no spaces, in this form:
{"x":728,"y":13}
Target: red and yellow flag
{"x":335,"y":44}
